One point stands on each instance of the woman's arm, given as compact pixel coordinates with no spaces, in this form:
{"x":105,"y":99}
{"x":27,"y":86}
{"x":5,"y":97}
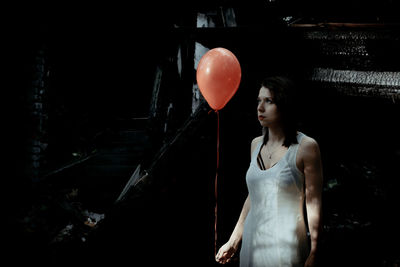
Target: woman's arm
{"x":227,"y":251}
{"x":313,"y":180}
{"x":236,"y":235}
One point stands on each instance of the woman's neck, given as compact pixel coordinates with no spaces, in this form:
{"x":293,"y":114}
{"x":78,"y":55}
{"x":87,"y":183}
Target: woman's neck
{"x":276,"y":135}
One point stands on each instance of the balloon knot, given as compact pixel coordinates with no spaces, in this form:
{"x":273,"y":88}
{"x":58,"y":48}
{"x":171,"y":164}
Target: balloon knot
{"x":215,"y":110}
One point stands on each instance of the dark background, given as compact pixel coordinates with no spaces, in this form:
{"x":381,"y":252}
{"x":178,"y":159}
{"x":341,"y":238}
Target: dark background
{"x":101,"y":62}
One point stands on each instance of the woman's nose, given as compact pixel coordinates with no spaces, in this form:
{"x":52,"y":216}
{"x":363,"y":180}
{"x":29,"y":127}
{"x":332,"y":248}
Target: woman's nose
{"x":260,"y":107}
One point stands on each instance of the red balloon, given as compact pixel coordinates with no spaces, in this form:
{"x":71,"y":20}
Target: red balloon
{"x":218,"y":76}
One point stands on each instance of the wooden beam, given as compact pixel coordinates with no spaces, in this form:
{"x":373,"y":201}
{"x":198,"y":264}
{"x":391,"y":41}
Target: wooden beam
{"x":348,"y":25}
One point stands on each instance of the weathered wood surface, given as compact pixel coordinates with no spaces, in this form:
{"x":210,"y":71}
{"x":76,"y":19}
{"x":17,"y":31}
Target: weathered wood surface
{"x":356,"y":60}
{"x":360,"y":83}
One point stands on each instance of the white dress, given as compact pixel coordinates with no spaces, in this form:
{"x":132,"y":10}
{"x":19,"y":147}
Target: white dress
{"x":275,"y":232}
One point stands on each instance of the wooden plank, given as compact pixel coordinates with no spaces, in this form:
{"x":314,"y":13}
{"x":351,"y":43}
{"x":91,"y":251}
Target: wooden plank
{"x":156,"y":91}
{"x":360,"y":83}
{"x":382,"y":79}
{"x":133,"y":180}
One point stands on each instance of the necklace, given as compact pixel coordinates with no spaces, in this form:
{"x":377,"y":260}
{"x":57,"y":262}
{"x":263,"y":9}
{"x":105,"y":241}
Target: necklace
{"x":270,"y":153}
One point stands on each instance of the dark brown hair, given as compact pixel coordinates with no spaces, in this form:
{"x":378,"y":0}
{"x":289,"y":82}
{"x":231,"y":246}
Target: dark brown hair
{"x":283,"y":93}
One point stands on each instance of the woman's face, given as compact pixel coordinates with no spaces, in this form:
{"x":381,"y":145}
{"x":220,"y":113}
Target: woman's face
{"x":267,"y":110}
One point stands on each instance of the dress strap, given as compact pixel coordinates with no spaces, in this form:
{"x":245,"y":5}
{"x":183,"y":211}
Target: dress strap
{"x":300,"y":136}
{"x":256,"y":150}
{"x":295,"y":148}
{"x":292,"y":162}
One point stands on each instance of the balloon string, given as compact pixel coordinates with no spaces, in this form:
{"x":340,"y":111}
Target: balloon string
{"x":216,"y":187}
{"x":216,"y":190}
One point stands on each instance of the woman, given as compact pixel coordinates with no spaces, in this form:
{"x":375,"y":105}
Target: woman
{"x":284,"y":174}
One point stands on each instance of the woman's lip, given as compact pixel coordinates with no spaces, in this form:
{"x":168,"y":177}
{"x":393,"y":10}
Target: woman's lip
{"x":261,"y":117}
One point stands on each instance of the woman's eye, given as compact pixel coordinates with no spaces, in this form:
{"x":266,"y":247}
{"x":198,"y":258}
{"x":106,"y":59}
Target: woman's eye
{"x":269,"y":101}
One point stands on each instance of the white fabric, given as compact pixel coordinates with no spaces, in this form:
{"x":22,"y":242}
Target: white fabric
{"x":275,"y":232}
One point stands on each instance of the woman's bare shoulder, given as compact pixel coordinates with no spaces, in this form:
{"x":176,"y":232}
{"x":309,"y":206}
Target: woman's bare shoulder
{"x":254,"y":143}
{"x":308,"y":142}
{"x":309,"y":147}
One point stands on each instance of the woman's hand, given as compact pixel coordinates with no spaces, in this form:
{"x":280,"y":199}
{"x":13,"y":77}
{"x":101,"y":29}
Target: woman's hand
{"x":225,"y":253}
